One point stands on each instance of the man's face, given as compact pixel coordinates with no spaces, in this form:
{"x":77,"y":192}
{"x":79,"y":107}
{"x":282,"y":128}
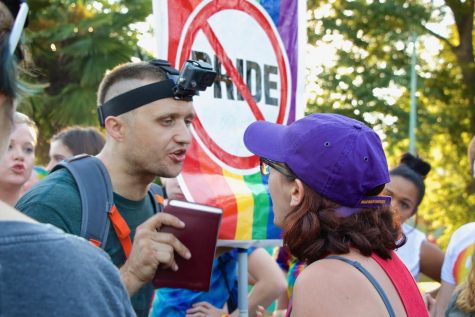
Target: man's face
{"x":157,"y":136}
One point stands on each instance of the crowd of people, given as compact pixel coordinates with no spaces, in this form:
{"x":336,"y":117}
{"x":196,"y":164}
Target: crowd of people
{"x":348,"y":247}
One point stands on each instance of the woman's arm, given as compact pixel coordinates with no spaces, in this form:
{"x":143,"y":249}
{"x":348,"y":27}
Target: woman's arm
{"x":269,"y":281}
{"x":431,"y":260}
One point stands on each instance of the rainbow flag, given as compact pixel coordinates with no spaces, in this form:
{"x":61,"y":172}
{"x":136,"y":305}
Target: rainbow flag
{"x":264,"y":80}
{"x":462,"y":264}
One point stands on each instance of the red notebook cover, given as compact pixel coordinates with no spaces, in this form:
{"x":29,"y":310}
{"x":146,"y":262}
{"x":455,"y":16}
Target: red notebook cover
{"x":199,"y":236}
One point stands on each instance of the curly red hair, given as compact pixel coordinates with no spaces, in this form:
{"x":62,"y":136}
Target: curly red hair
{"x":314,"y":230}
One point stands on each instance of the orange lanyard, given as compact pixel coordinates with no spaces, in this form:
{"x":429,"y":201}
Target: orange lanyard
{"x":121,"y":229}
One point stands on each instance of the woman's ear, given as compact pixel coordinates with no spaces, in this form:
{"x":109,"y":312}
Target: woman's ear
{"x":297,"y":193}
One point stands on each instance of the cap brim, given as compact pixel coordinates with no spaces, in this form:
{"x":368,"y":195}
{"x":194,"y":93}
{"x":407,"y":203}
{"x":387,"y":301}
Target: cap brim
{"x":265,"y":139}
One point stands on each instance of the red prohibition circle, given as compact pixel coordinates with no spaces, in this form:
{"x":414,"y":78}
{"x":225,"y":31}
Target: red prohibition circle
{"x":201,"y":22}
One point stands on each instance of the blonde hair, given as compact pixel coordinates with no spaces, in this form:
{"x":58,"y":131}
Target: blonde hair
{"x":21,"y":118}
{"x":466,"y":298}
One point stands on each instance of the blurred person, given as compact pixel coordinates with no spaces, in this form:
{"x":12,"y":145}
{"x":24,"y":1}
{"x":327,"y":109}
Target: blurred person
{"x":407,"y":190}
{"x":221,"y":299}
{"x":73,"y":141}
{"x":457,"y":263}
{"x":45,"y":272}
{"x":325,"y":172}
{"x":146,"y":136}
{"x":17,"y":164}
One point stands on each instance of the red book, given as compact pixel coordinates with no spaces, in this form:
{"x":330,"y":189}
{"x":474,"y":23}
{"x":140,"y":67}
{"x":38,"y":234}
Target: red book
{"x":199,"y":236}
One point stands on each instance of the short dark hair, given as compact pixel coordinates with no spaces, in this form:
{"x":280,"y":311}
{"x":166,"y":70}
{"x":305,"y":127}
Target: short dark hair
{"x":314,"y":230}
{"x":138,"y":70}
{"x":81,"y":140}
{"x":414,"y":169}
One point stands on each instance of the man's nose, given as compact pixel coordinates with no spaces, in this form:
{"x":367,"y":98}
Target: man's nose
{"x":183,"y":135}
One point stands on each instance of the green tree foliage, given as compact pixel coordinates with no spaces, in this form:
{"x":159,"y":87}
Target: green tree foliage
{"x":369,"y":80}
{"x":72,"y":44}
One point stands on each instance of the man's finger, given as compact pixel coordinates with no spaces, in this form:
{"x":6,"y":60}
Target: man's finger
{"x":166,"y":260}
{"x":162,"y":219}
{"x":170,"y":239}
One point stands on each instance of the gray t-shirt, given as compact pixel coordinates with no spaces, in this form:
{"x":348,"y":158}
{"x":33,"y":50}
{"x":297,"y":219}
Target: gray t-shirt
{"x":45,"y":272}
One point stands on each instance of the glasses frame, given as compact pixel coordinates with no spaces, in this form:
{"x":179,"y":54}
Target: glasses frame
{"x":278,"y":166}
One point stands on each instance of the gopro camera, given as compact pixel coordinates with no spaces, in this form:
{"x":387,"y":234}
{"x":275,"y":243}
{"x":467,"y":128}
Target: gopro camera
{"x":194,"y":76}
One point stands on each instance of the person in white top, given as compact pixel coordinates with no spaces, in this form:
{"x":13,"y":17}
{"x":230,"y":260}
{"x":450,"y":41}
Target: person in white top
{"x":407,"y":190}
{"x":459,"y":253}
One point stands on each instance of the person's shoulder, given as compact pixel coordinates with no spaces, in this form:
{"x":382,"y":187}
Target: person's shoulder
{"x":58,"y":188}
{"x":324,"y":270}
{"x":463,"y":233}
{"x":468,"y":228}
{"x":61,"y":269}
{"x":326,"y":280}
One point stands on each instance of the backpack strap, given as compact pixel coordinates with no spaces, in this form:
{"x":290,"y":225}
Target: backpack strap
{"x":95,"y":190}
{"x":94,"y":184}
{"x":156,"y":195}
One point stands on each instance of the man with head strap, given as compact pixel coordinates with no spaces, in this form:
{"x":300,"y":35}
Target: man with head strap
{"x":147,"y":112}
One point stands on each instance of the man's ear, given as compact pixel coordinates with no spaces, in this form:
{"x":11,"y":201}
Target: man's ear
{"x":115,"y":127}
{"x":297,"y":193}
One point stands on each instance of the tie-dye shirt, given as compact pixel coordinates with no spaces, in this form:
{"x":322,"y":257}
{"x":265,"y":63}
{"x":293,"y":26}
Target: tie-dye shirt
{"x":173,"y":302}
{"x":291,"y":265}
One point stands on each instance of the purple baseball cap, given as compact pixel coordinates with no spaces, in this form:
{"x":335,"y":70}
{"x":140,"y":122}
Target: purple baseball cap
{"x":338,"y":157}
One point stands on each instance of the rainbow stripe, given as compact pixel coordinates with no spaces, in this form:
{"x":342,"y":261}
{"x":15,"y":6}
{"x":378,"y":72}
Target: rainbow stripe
{"x":244,"y":198}
{"x":462,"y":264}
{"x":40,"y":171}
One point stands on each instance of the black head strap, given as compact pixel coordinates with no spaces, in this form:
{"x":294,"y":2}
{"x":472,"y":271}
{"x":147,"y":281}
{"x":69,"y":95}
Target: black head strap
{"x":142,"y":95}
{"x":135,"y":98}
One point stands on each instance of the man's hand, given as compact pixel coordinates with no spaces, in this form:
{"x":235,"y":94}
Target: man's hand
{"x":204,"y":309}
{"x":150,"y":250}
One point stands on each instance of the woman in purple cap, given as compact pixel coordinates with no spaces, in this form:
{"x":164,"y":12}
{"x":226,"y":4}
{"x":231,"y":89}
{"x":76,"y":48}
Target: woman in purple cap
{"x":325,"y":172}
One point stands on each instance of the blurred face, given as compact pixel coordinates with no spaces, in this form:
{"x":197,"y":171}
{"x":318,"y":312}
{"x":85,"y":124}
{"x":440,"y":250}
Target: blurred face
{"x":157,"y":136}
{"x":16,"y":165}
{"x":57,"y":152}
{"x":173,"y":189}
{"x":403,"y":196}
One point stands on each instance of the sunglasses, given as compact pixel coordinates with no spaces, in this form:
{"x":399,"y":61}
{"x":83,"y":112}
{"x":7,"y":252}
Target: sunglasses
{"x":282,"y":168}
